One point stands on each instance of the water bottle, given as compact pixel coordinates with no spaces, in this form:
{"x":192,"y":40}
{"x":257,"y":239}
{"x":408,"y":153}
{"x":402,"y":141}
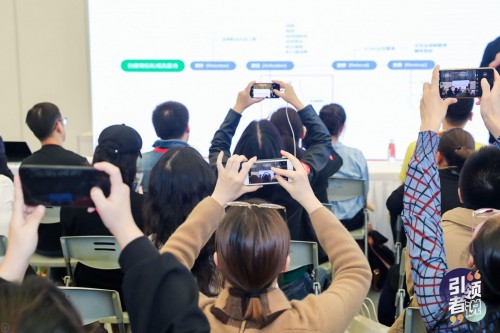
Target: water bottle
{"x":391,"y":151}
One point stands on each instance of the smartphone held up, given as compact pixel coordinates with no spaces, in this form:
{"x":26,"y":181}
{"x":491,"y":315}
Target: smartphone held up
{"x":463,"y":83}
{"x":51,"y":185}
{"x":264,"y":90}
{"x":262,"y":174}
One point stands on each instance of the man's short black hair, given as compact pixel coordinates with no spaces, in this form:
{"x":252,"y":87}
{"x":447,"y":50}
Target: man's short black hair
{"x":170,"y":120}
{"x":480,"y":179}
{"x":42,"y":119}
{"x":459,"y":112}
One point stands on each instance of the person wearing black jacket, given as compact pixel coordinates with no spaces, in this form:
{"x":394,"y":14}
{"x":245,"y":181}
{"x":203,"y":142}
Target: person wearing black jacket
{"x":160,"y":293}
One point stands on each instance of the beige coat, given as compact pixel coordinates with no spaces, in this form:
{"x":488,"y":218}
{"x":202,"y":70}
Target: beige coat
{"x":331,"y":311}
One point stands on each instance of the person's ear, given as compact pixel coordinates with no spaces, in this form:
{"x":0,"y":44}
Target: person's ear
{"x":187,"y":129}
{"x":287,"y":264}
{"x":216,"y":260}
{"x":341,"y":129}
{"x":470,"y":262}
{"x":470,"y":116}
{"x":59,"y":127}
{"x":460,"y":195}
{"x":439,"y":158}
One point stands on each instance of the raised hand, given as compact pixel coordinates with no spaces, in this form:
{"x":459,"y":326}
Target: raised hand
{"x":432,"y":107}
{"x":298,"y":184}
{"x":490,"y":105}
{"x":230,"y":182}
{"x":23,"y":236}
{"x":244,"y":100}
{"x":115,"y":211}
{"x":288,"y":94}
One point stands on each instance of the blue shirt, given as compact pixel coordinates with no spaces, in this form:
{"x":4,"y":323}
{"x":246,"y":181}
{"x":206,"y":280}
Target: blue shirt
{"x":354,"y":167}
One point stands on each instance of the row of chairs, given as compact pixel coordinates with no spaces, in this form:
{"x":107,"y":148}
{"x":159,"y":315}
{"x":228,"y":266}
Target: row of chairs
{"x":102,"y":252}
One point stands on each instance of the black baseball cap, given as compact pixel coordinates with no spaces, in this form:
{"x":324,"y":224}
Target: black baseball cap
{"x":122,"y":138}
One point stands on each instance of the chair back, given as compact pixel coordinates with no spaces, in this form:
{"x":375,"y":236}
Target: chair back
{"x":96,"y":304}
{"x":340,"y":189}
{"x":3,"y":245}
{"x":413,"y":321}
{"x":401,"y":293}
{"x":304,"y":253}
{"x":52,"y":215}
{"x":100,"y":252}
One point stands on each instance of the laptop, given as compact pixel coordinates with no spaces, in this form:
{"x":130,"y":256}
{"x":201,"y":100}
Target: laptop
{"x":16,"y":151}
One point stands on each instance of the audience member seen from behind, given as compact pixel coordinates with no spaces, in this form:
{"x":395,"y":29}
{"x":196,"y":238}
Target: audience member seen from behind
{"x":178,"y":182}
{"x":119,"y":145}
{"x":455,"y":146}
{"x":35,"y":305}
{"x":160,"y":293}
{"x":6,"y":191}
{"x":262,"y":140}
{"x":292,"y":132}
{"x":171,"y":123}
{"x":423,"y":222}
{"x":349,"y":212}
{"x":49,"y":126}
{"x":252,"y":249}
{"x":457,"y":116}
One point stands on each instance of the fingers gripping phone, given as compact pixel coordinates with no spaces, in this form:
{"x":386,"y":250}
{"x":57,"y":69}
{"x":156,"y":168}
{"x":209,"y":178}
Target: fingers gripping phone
{"x":463,"y":83}
{"x":51,"y":185}
{"x":261,"y":173}
{"x":264,"y":90}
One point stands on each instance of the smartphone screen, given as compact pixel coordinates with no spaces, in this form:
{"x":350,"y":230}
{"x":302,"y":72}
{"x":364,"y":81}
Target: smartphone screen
{"x":50,"y":185}
{"x":264,"y":90}
{"x":261,"y":173}
{"x":463,"y":83}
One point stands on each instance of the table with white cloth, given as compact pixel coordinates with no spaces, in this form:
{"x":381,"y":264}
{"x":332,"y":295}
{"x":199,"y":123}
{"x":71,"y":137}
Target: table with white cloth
{"x":384,"y":178}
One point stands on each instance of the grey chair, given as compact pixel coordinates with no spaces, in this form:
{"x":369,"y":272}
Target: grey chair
{"x":97,"y":305}
{"x":37,"y":260}
{"x":100,"y":252}
{"x":303,"y":254}
{"x":401,"y":293}
{"x":413,"y":321}
{"x":341,"y":189}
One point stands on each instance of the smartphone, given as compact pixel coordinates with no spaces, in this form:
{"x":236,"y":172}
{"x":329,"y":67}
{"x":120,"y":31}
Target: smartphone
{"x":264,"y":90}
{"x":52,"y":185}
{"x":261,"y":173}
{"x":463,"y":83}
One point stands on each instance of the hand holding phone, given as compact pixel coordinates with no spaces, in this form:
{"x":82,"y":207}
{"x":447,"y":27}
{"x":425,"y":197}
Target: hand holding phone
{"x":463,"y":83}
{"x":261,"y":173}
{"x":52,"y":185}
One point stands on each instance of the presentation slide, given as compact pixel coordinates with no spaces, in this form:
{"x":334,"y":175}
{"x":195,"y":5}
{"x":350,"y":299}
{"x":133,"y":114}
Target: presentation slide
{"x":371,"y":57}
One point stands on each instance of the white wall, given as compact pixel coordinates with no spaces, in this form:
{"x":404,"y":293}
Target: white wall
{"x":44,"y":57}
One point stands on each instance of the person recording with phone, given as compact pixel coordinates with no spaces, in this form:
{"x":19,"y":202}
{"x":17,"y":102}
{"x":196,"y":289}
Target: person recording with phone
{"x":292,"y":132}
{"x":252,"y":248}
{"x":261,"y":139}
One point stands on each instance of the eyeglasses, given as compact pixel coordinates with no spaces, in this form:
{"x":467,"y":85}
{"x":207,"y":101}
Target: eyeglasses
{"x":250,"y":205}
{"x":482,"y":214}
{"x":64,"y":120}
